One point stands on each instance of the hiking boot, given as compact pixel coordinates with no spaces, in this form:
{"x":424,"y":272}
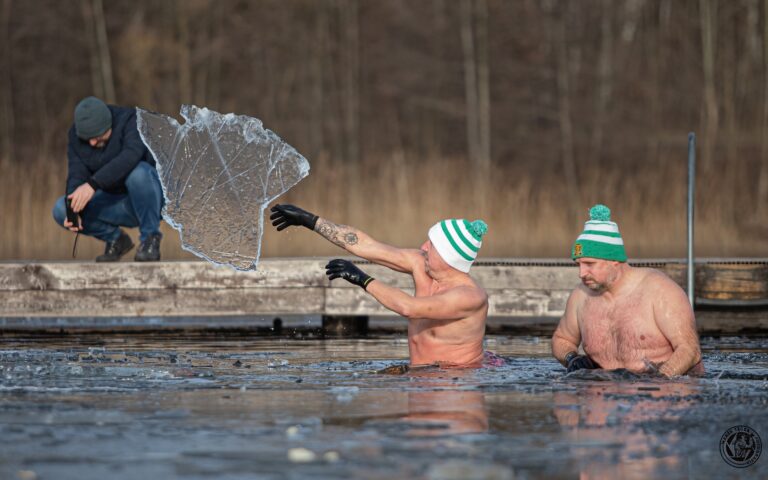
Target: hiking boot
{"x":116,"y":249}
{"x":149,"y":250}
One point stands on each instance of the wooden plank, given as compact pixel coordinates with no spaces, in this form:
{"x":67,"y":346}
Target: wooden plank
{"x":725,"y":281}
{"x":299,"y":286}
{"x":174,"y":275}
{"x":167,"y":302}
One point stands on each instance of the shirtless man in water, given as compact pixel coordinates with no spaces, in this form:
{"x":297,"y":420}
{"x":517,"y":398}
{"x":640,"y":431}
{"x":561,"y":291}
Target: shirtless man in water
{"x":446,"y":316}
{"x":624,"y":317}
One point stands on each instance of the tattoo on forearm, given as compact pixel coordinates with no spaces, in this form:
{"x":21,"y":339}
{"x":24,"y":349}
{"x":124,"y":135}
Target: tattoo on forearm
{"x":340,"y":235}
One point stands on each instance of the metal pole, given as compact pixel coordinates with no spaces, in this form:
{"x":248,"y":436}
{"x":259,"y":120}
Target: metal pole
{"x":691,"y":187}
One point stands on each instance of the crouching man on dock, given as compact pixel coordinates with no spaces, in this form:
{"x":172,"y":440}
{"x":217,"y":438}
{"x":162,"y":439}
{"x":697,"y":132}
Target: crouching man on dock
{"x":624,"y":317}
{"x":446,"y":316}
{"x":111,"y":183}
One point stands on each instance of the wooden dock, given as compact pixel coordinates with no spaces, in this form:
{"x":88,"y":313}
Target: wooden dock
{"x":733,"y":293}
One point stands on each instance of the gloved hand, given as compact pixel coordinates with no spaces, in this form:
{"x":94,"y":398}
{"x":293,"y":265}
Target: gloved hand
{"x":283,"y":216}
{"x":574,"y":361}
{"x":347,"y":270}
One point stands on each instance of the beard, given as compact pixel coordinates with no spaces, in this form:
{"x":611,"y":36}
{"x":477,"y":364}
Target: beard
{"x":593,"y":285}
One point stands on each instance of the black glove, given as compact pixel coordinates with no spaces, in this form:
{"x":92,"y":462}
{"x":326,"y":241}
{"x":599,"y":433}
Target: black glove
{"x":574,"y":361}
{"x":347,"y":270}
{"x":283,"y":216}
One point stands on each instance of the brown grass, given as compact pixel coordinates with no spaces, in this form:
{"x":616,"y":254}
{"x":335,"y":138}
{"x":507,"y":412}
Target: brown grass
{"x":527,"y":208}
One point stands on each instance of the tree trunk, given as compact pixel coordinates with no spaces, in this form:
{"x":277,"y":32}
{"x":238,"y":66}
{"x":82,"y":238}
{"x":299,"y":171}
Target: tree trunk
{"x":97,"y":83}
{"x":729,"y":101}
{"x":483,"y":96}
{"x":318,"y":54}
{"x":183,"y":53}
{"x":708,"y":13}
{"x":762,"y":184}
{"x":470,"y":80}
{"x":214,"y":64}
{"x":605,"y":75}
{"x":564,"y":118}
{"x":351,"y":80}
{"x":204,"y":40}
{"x":105,"y":59}
{"x":6,"y":84}
{"x":477,"y":94}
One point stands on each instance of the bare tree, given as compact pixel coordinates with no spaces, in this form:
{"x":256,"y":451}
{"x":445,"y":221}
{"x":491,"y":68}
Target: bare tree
{"x":318,"y":54}
{"x":351,"y":78}
{"x":6,"y":84}
{"x":708,"y":14}
{"x":605,"y":74}
{"x":183,"y":54}
{"x":564,"y":115}
{"x":762,"y":189}
{"x":474,"y":41}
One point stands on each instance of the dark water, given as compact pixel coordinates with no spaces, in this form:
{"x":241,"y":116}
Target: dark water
{"x":168,"y":407}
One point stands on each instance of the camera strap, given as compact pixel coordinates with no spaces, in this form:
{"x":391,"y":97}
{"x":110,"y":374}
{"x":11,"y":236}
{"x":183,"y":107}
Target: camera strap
{"x":74,"y":245}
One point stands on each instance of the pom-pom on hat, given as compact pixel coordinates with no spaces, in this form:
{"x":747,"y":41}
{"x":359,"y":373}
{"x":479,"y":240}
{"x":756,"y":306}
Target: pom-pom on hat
{"x":458,"y":241}
{"x":600,"y":238}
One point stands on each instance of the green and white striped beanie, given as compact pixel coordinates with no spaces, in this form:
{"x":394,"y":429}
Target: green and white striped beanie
{"x":600,"y":238}
{"x":458,"y":241}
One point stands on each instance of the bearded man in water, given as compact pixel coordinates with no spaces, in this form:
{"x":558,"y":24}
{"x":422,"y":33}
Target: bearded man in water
{"x":624,"y":317}
{"x":446,"y":316}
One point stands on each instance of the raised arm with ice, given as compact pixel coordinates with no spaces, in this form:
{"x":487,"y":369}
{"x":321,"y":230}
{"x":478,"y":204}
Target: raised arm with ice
{"x":218,"y":174}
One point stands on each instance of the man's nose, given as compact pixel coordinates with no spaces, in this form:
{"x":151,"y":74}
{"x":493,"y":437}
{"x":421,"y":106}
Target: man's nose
{"x":583,"y":271}
{"x":93,"y":141}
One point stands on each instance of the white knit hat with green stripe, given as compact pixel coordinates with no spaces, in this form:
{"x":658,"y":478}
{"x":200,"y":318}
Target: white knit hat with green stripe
{"x":458,"y":241}
{"x":600,"y":238}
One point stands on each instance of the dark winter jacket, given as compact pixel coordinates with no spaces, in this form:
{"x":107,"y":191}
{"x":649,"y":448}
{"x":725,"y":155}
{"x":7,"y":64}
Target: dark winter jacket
{"x":107,"y":168}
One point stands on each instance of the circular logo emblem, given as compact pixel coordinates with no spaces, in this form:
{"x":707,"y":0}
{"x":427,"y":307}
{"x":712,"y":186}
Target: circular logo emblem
{"x":740,"y":446}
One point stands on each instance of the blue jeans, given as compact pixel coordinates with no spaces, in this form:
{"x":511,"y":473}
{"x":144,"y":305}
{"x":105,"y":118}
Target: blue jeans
{"x":107,"y":212}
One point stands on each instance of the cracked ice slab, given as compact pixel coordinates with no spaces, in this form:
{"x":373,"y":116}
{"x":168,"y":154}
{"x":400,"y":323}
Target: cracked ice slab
{"x":219,"y":173}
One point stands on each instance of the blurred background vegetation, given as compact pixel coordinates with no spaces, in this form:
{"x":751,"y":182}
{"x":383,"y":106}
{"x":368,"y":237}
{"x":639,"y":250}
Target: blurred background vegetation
{"x":523,"y":113}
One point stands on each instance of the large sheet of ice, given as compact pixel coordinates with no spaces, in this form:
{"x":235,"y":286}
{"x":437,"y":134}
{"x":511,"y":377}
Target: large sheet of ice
{"x":219,"y":173}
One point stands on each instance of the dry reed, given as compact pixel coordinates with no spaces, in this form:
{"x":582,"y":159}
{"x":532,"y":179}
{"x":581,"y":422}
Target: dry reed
{"x":527,"y":209}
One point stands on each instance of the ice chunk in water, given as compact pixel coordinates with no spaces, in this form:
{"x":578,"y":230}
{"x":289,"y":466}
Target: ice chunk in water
{"x":219,"y":173}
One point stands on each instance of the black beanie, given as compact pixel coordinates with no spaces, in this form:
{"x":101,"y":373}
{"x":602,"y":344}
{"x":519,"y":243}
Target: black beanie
{"x":92,"y":118}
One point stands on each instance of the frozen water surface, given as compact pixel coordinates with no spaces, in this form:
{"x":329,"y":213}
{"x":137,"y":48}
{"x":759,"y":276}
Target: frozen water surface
{"x":84,"y":407}
{"x":218,"y":173}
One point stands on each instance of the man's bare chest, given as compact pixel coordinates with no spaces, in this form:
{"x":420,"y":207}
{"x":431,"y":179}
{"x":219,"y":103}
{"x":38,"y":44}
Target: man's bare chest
{"x":624,"y":324}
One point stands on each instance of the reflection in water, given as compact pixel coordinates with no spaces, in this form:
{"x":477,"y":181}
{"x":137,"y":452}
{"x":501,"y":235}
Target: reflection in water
{"x":605,"y":421}
{"x":437,"y":408}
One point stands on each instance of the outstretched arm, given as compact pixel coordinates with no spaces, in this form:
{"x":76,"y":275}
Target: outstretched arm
{"x":454,"y":304}
{"x":363,"y":245}
{"x":674,"y":317}
{"x":349,"y":238}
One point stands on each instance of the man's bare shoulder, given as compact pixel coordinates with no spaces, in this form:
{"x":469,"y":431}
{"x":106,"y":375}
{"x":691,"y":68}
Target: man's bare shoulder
{"x":579,"y":294}
{"x":658,"y":284}
{"x":650,"y":277}
{"x":471,"y":291}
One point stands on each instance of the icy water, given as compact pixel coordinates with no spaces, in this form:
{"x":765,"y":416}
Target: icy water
{"x":157,"y":407}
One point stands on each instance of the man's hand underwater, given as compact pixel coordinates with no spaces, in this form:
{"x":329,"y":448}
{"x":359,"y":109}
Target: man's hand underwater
{"x":284,"y":216}
{"x":347,"y":270}
{"x":574,"y":361}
